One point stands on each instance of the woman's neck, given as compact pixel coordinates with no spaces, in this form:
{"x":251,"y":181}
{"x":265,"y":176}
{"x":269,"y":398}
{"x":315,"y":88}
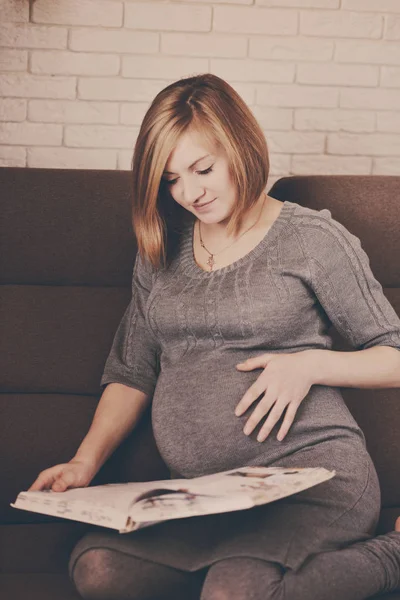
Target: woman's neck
{"x":217,"y":231}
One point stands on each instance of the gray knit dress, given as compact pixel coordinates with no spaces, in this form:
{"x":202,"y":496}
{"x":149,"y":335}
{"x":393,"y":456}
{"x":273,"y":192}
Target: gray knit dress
{"x":179,"y":340}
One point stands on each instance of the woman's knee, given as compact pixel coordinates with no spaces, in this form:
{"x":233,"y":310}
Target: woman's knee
{"x":104,"y":574}
{"x":241,"y":578}
{"x":92,"y":575}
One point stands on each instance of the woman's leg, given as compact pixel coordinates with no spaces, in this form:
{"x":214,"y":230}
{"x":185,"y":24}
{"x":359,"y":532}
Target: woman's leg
{"x":107,"y":574}
{"x":354,"y":573}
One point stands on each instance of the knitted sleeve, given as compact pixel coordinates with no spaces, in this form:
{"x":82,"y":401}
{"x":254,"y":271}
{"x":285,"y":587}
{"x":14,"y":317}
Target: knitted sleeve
{"x":345,"y":286}
{"x":134,"y":356}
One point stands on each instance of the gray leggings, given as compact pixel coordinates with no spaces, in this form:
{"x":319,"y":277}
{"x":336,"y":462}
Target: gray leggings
{"x":356,"y":572}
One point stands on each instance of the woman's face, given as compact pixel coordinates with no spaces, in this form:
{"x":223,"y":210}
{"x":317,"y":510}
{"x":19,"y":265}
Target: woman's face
{"x":206,"y":181}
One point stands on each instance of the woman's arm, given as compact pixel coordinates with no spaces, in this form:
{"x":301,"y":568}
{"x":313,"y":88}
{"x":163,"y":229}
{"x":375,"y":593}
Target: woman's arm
{"x":118,"y":412}
{"x":355,"y":303}
{"x":377,"y":367}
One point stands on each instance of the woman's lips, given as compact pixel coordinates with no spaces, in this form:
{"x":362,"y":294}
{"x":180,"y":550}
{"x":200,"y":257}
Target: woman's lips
{"x":204,"y":206}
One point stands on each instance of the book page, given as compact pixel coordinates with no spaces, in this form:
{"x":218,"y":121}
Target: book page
{"x":105,"y":505}
{"x":131,"y":506}
{"x":223,"y":492}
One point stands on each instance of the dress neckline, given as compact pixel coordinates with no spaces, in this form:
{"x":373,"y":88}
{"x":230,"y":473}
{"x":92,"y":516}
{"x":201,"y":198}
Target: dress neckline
{"x":190,"y":266}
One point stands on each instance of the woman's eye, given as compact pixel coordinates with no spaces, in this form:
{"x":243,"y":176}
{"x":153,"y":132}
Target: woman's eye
{"x":173,"y":181}
{"x":206,"y":171}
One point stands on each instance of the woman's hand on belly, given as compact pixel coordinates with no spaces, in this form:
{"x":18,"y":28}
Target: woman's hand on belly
{"x":285,"y":381}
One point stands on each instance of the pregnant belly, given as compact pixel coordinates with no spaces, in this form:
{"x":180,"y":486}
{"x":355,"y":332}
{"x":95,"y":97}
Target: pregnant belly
{"x":197,"y":432}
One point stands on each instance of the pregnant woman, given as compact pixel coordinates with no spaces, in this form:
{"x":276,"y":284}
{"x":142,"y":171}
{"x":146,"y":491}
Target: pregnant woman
{"x":226,"y":334}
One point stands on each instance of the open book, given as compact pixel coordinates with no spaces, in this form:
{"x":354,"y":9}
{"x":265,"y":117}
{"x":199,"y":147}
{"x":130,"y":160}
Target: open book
{"x":131,"y":506}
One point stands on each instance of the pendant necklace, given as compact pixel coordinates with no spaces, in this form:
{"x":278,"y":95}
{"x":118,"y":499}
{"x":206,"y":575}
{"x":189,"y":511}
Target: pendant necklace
{"x":210,"y":260}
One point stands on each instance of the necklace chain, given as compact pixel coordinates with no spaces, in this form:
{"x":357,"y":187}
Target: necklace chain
{"x":210,"y":260}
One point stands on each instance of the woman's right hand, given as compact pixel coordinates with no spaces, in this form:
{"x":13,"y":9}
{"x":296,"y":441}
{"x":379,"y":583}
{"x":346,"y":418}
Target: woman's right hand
{"x":76,"y":473}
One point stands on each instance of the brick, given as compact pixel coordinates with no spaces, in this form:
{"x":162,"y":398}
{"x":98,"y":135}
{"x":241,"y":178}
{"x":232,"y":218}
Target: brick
{"x":73,"y":111}
{"x":11,"y":156}
{"x":337,"y":74}
{"x":14,"y":35}
{"x":108,"y":88}
{"x":218,"y":1}
{"x":11,"y":10}
{"x":372,"y":5}
{"x":132,"y":113}
{"x":368,"y":52}
{"x":274,"y":118}
{"x":246,"y":91}
{"x":341,"y":24}
{"x":36,"y":86}
{"x":334,"y":120}
{"x":163,"y":17}
{"x":13,"y":60}
{"x":252,"y":70}
{"x":120,"y":41}
{"x":162,"y":67}
{"x":198,"y":44}
{"x":78,"y":12}
{"x":124,"y":160}
{"x":12,"y":109}
{"x":279,"y":164}
{"x":388,"y":122}
{"x":296,"y":142}
{"x":390,"y":76}
{"x":296,"y":96}
{"x":30,"y":134}
{"x":392,"y":27}
{"x":74,"y":63}
{"x":93,"y":136}
{"x":72,"y":158}
{"x":386,"y":166}
{"x":300,"y":3}
{"x":291,"y":48}
{"x":372,"y":144}
{"x":374,"y":99}
{"x":254,"y":20}
{"x":331,"y":165}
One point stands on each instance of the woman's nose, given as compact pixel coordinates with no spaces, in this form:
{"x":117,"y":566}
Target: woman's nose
{"x":193,"y":192}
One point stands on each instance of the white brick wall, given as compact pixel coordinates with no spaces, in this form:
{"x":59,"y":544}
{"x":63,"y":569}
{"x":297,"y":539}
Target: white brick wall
{"x":321,"y":76}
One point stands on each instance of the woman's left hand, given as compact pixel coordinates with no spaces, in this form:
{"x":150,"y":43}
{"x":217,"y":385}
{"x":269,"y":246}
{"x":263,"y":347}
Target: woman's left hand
{"x":286,"y":380}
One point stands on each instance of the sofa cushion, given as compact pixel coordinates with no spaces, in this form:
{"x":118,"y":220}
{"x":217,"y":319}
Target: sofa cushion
{"x":56,"y":339}
{"x":46,"y":546}
{"x":37,"y":586}
{"x":66,"y":227}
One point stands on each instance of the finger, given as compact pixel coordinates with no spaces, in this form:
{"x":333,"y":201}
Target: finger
{"x":271,"y":421}
{"x":66,"y":479}
{"x":287,"y":421}
{"x":254,"y":391}
{"x":255,"y":362}
{"x":259,"y":412}
{"x":44,"y":480}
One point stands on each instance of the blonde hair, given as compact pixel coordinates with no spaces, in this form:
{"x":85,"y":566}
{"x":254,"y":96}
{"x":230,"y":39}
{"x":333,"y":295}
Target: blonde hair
{"x":209,"y":106}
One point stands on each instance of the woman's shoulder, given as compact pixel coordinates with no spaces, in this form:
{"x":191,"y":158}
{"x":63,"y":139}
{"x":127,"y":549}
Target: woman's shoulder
{"x":324,"y":239}
{"x":318,"y":225}
{"x":305,"y":214}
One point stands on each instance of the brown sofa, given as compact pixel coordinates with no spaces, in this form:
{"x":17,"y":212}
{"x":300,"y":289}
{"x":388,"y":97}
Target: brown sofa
{"x":66,"y":253}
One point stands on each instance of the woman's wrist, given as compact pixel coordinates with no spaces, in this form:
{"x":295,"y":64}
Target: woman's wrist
{"x":89,"y":459}
{"x":313,"y":365}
